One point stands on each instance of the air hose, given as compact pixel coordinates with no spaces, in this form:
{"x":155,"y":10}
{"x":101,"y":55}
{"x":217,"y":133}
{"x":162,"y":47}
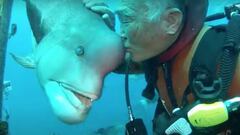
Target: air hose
{"x":230,"y":53}
{"x":129,"y":107}
{"x":134,"y":126}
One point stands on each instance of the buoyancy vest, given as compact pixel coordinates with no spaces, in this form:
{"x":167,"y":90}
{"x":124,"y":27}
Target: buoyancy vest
{"x":180,"y":66}
{"x":193,"y":22}
{"x":209,"y":44}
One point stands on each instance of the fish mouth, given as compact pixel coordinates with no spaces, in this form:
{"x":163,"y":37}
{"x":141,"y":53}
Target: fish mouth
{"x":84,"y":97}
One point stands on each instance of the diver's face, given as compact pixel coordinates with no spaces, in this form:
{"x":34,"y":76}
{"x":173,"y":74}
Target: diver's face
{"x":143,"y":38}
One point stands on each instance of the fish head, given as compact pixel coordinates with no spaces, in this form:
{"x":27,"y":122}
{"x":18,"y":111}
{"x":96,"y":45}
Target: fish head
{"x":72,"y":71}
{"x":75,"y":51}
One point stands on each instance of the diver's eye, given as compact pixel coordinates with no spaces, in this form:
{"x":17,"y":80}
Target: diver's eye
{"x":79,"y":51}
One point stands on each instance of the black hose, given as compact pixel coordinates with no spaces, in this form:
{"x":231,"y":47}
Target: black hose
{"x":230,"y":54}
{"x":130,"y":112}
{"x":215,"y":17}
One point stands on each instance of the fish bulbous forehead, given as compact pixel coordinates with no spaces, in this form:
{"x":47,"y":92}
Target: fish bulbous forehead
{"x":46,"y":16}
{"x":75,"y":14}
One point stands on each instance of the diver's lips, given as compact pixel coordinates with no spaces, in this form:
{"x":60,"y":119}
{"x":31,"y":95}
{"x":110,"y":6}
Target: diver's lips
{"x":85,"y":98}
{"x":127,"y":49}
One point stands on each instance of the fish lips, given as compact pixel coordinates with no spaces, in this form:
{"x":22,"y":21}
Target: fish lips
{"x":68,"y":104}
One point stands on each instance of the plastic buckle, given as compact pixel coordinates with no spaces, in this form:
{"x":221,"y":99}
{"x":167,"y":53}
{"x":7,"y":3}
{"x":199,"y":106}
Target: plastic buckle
{"x":207,"y":93}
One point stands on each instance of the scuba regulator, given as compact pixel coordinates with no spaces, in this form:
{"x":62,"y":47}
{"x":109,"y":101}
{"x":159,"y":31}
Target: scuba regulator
{"x":200,"y":118}
{"x":206,"y":115}
{"x":134,"y":126}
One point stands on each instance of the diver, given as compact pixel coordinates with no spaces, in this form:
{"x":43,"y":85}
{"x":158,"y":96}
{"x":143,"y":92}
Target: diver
{"x":192,"y":66}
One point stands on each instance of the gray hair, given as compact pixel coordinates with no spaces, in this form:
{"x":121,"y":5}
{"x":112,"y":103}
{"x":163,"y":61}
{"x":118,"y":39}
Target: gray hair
{"x":154,"y":10}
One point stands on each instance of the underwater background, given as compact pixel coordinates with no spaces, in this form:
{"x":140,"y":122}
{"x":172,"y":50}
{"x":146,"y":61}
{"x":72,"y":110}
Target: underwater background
{"x":26,"y":106}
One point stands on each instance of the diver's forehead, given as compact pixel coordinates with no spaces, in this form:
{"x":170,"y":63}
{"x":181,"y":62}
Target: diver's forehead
{"x":131,"y":5}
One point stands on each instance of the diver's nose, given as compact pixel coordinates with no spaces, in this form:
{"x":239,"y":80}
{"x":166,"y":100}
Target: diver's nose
{"x":123,"y":37}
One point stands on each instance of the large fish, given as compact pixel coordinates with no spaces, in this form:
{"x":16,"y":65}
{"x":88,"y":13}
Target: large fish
{"x":74,"y":52}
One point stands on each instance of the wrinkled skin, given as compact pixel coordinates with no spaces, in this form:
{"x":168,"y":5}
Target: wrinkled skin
{"x":74,"y":52}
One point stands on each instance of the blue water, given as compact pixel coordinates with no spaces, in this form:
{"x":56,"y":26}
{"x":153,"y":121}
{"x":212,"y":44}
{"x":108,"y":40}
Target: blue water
{"x":27,"y":104}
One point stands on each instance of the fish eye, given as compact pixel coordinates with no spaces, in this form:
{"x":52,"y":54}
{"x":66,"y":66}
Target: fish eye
{"x":79,"y":51}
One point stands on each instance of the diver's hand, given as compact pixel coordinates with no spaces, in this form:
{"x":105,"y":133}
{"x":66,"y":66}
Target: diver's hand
{"x":103,"y":10}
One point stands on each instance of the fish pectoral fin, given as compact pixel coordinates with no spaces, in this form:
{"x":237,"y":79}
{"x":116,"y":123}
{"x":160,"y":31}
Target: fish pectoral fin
{"x":27,"y":62}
